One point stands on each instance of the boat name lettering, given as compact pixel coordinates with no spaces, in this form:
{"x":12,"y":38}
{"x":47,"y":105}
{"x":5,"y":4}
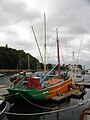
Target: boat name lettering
{"x":41,"y":93}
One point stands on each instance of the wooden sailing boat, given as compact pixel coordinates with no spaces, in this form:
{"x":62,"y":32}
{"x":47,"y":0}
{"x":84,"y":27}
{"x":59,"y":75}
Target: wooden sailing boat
{"x":32,"y":89}
{"x":38,"y":88}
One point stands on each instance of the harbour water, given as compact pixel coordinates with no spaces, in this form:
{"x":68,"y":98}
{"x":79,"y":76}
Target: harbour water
{"x":68,"y":110}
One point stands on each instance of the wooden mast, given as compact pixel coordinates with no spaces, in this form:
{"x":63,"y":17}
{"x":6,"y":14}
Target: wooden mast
{"x":28,"y":62}
{"x":44,"y":43}
{"x":58,"y":52}
{"x":37,"y":43}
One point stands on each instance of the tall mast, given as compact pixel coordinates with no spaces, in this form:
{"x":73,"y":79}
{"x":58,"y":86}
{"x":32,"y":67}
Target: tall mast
{"x":58,"y":52}
{"x":44,"y":43}
{"x":28,"y":62}
{"x":79,"y":50}
{"x":73,"y":58}
{"x":37,"y":43}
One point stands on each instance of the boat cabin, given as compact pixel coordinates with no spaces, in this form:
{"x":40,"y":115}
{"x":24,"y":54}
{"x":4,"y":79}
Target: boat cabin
{"x":34,"y":83}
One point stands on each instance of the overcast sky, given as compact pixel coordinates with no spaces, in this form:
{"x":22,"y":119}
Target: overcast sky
{"x":71,"y":17}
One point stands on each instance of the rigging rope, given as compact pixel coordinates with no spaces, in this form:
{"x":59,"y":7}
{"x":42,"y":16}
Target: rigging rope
{"x":62,"y":53}
{"x":30,"y":101}
{"x":35,"y":104}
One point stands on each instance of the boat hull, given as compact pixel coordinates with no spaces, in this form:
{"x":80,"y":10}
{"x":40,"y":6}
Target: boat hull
{"x":40,"y":95}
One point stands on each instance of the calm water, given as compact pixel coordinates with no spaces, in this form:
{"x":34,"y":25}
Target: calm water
{"x":26,"y":107}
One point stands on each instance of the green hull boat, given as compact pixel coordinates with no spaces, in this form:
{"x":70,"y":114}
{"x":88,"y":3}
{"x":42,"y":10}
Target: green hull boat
{"x":29,"y":92}
{"x":38,"y":95}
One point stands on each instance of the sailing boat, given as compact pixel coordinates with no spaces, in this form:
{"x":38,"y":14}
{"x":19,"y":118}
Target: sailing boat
{"x":39,"y":89}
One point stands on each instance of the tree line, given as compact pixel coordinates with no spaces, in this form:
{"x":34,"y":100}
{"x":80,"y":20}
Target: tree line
{"x":17,"y":59}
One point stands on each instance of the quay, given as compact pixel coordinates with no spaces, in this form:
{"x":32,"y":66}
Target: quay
{"x":85,"y":84}
{"x":13,"y":70}
{"x":3,"y":90}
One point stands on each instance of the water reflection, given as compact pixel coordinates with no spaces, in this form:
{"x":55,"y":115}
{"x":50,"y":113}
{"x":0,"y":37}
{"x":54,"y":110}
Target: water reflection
{"x":23,"y":118}
{"x":57,"y":116}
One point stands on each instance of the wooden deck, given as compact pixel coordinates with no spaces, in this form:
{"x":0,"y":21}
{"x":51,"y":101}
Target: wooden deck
{"x":75,"y":93}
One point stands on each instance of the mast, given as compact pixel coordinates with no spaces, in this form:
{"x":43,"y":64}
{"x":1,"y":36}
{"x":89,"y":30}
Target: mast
{"x":73,"y":58}
{"x":58,"y":52}
{"x":44,"y":43}
{"x":37,"y":43}
{"x":79,"y":50}
{"x":28,"y":62}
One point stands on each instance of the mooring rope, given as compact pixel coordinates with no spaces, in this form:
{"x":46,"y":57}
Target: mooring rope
{"x":8,"y":96}
{"x":48,"y":108}
{"x":3,"y":109}
{"x":35,"y":104}
{"x":49,"y":112}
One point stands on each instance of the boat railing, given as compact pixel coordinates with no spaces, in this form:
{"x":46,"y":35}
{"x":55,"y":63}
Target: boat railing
{"x":17,"y":82}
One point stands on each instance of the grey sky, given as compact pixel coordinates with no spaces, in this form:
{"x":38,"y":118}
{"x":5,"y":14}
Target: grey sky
{"x":71,"y":17}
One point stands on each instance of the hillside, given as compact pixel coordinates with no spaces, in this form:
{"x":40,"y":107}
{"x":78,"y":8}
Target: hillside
{"x":16,"y":59}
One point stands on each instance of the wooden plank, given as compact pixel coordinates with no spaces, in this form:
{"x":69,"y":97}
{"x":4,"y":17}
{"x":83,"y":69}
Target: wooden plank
{"x":64,"y":96}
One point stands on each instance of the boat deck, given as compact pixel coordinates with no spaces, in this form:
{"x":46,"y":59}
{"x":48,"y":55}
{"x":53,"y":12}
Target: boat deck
{"x":75,"y":93}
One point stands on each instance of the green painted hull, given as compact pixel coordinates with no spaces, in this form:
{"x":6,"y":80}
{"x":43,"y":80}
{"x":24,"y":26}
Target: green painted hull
{"x":38,"y":95}
{"x":22,"y":91}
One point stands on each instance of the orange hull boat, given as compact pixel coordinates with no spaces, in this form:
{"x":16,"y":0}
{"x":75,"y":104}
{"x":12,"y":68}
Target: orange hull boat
{"x":60,"y":87}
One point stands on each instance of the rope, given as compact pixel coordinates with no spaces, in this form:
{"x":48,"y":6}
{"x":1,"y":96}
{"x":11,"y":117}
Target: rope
{"x":35,"y":104}
{"x":8,"y":96}
{"x":30,"y":101}
{"x":49,"y":112}
{"x":3,"y":109}
{"x":62,"y":53}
